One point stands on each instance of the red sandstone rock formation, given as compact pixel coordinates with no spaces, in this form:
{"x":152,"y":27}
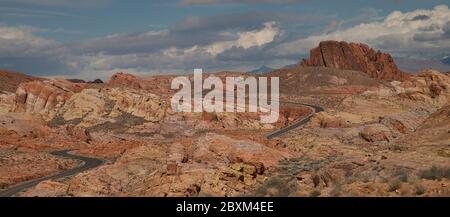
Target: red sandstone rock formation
{"x":126,"y":80}
{"x":43,"y":96}
{"x":352,"y":56}
{"x":155,"y":84}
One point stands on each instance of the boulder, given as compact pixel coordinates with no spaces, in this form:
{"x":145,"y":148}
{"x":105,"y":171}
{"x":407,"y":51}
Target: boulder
{"x":376,"y":133}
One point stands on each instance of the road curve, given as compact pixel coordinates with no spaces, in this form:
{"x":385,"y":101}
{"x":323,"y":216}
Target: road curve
{"x":88,"y":163}
{"x":298,"y":123}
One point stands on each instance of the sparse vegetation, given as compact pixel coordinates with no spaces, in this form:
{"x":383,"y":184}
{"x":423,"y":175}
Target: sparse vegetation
{"x":420,"y":189}
{"x":123,"y":122}
{"x":295,"y":166}
{"x":336,"y":191}
{"x":276,"y":187}
{"x":397,"y":148}
{"x":314,"y":193}
{"x":395,"y":185}
{"x":444,"y":152}
{"x":365,"y":177}
{"x":435,"y":173}
{"x":59,"y":121}
{"x":402,"y":174}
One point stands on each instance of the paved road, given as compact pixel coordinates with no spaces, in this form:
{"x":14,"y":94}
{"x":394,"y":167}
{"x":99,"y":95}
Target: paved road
{"x":88,"y":163}
{"x":298,"y":123}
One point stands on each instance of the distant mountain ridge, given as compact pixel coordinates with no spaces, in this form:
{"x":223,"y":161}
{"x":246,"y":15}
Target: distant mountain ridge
{"x":262,"y":70}
{"x":446,"y":60}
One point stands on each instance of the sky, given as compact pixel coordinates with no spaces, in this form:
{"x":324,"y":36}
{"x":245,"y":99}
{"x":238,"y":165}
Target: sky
{"x":91,"y":39}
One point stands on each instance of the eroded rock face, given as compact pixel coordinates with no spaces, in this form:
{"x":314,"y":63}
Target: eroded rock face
{"x":96,"y":106}
{"x":407,"y":122}
{"x":219,"y":149}
{"x":44,"y":97}
{"x":352,"y":56}
{"x":428,"y":86}
{"x":124,"y":80}
{"x":156,"y":84}
{"x":6,"y":101}
{"x":376,"y":133}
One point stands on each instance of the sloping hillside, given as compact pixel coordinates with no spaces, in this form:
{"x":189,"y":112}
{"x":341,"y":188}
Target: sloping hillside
{"x":9,"y":81}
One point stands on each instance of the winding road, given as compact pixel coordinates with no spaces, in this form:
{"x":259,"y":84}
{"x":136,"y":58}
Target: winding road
{"x":88,"y":163}
{"x":298,"y":123}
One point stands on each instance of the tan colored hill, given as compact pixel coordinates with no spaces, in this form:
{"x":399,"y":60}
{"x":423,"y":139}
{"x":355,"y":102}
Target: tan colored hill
{"x":9,"y":80}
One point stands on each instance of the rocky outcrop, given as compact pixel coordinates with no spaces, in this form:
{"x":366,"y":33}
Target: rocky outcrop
{"x":376,"y":133}
{"x":141,"y":104}
{"x":404,"y":123}
{"x":155,"y":84}
{"x":92,"y":107}
{"x":218,"y":149}
{"x":429,"y":86}
{"x":44,"y":97}
{"x":352,"y":56}
{"x":125,"y":80}
{"x":435,"y":130}
{"x":78,"y":133}
{"x":6,"y":102}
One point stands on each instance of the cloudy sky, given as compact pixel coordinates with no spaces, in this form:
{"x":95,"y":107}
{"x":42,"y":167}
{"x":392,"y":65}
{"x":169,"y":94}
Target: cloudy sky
{"x":95,"y":38}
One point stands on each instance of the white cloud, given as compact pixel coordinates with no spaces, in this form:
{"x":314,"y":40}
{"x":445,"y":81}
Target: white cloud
{"x":173,"y":59}
{"x":20,"y":41}
{"x":217,"y":46}
{"x":246,"y":39}
{"x":401,"y":33}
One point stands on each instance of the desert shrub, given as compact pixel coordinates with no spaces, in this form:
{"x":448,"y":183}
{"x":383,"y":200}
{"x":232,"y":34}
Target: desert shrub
{"x":336,"y":191}
{"x":395,"y":185}
{"x":420,"y":189}
{"x":122,"y":123}
{"x":276,"y":187}
{"x":435,"y":173}
{"x":397,"y":148}
{"x":402,"y":174}
{"x":314,"y":193}
{"x":365,"y":177}
{"x":59,"y":121}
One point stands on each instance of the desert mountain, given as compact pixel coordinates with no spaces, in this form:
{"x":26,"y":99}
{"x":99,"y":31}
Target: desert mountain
{"x":353,"y":56}
{"x":262,"y":70}
{"x":446,"y":60}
